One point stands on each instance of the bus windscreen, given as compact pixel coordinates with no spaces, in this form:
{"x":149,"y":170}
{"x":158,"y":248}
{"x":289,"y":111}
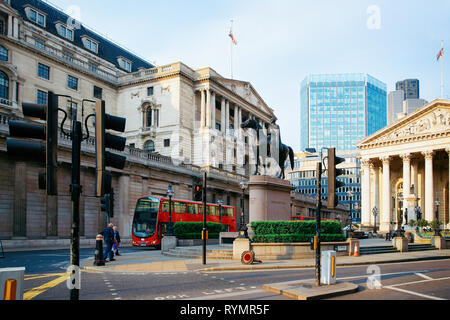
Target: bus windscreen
{"x":145,"y":216}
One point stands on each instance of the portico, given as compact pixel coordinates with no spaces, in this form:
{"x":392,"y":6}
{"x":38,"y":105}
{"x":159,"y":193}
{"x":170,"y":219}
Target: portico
{"x":405,"y":168}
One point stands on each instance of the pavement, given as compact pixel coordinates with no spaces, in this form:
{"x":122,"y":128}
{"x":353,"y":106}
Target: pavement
{"x":149,"y":260}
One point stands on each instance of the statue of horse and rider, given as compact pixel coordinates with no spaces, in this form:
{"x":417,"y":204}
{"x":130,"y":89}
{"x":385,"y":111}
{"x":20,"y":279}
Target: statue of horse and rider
{"x":274,"y":151}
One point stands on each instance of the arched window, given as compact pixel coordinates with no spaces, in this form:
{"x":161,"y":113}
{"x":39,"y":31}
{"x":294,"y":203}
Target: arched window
{"x":4,"y":86}
{"x":149,"y":146}
{"x":3,"y":54}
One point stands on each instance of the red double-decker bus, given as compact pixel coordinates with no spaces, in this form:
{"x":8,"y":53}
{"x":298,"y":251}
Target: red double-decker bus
{"x":304,"y":218}
{"x":151,"y":218}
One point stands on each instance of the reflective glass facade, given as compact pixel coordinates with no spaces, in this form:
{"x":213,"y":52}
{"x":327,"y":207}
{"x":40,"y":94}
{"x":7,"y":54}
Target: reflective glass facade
{"x":338,"y":110}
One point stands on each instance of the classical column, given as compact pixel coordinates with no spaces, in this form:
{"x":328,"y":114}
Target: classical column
{"x":239,"y":123}
{"x":429,"y":187}
{"x":365,"y":192}
{"x":386,"y":210}
{"x":10,"y":26}
{"x":222,"y":115}
{"x":236,"y":121}
{"x":227,"y":117}
{"x":203,"y":109}
{"x":406,"y":174}
{"x":16,"y":28}
{"x":376,"y":192}
{"x":213,"y":110}
{"x":208,"y":108}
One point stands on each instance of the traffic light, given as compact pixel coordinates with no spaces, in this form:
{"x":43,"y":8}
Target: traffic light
{"x":333,"y":173}
{"x":107,"y":203}
{"x":198,"y":192}
{"x":103,"y":140}
{"x":44,"y":144}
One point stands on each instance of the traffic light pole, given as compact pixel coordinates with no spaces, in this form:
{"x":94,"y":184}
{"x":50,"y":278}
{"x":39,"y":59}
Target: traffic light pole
{"x":75,"y":190}
{"x":204,"y":217}
{"x":318,"y":208}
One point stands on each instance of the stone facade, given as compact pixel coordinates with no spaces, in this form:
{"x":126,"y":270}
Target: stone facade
{"x":406,"y":165}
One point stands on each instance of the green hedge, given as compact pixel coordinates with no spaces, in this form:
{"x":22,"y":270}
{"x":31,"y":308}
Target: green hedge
{"x":295,"y":227}
{"x":295,"y":231}
{"x":285,"y":238}
{"x":193,"y":230}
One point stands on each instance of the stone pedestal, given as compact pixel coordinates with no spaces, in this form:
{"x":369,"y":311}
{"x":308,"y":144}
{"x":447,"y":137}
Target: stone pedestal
{"x":240,"y":245}
{"x":400,"y":243}
{"x":438,"y":242}
{"x":167,"y":243}
{"x":270,"y":199}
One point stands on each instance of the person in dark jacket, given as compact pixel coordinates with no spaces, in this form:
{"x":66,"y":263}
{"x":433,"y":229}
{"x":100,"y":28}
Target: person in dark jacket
{"x":108,"y":236}
{"x":116,"y":241}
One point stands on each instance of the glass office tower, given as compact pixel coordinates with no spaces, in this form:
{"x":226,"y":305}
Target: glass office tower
{"x":338,"y":110}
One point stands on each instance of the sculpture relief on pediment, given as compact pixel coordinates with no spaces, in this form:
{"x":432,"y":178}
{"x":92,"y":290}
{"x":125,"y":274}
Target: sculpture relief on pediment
{"x":436,"y":121}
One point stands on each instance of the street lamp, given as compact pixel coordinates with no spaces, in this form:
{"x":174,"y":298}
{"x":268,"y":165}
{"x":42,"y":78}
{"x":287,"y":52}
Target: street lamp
{"x":243,"y":230}
{"x":220,"y":202}
{"x":350,"y":196}
{"x":170,"y":195}
{"x":436,"y":230}
{"x":399,"y":217}
{"x":375,"y":213}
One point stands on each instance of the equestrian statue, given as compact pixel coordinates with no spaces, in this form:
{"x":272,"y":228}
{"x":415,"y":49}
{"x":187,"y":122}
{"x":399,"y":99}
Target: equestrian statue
{"x":272,"y":142}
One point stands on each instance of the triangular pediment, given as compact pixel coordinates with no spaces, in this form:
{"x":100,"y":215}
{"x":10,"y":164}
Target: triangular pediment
{"x":246,"y":91}
{"x":431,"y":119}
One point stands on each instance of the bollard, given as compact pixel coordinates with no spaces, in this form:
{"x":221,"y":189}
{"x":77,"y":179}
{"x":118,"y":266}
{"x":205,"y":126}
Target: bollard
{"x":99,"y":251}
{"x":10,"y":289}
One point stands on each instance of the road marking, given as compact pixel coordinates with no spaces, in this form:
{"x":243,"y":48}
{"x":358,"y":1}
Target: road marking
{"x":413,"y":293}
{"x":423,"y":276}
{"x":419,"y":281}
{"x":41,"y":289}
{"x":226,"y":295}
{"x":40,"y":276}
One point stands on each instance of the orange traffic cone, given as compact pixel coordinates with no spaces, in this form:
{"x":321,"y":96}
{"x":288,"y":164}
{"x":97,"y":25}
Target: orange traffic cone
{"x":356,"y":253}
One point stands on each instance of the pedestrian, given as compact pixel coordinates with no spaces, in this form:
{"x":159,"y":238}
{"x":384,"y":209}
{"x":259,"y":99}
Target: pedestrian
{"x":116,"y":241}
{"x":108,"y":236}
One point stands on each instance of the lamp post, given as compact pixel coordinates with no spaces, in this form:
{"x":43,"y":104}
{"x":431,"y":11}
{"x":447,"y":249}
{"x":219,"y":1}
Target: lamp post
{"x":399,"y":218}
{"x":436,"y":230}
{"x":220,"y":202}
{"x":170,"y":195}
{"x":243,"y":230}
{"x":350,"y":196}
{"x":375,"y":213}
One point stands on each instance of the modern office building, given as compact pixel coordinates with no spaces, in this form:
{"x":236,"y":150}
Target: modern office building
{"x":410,"y":88}
{"x":404,"y":100}
{"x":338,"y":110}
{"x":394,"y":105}
{"x":303,"y":178}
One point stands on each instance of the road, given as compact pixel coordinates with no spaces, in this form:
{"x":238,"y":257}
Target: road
{"x":45,"y":279}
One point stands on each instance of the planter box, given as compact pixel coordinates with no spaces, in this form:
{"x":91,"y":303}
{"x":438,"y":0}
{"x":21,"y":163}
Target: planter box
{"x":284,"y":251}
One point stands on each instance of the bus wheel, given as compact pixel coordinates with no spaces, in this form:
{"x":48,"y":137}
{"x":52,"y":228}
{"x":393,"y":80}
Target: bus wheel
{"x":247,"y":257}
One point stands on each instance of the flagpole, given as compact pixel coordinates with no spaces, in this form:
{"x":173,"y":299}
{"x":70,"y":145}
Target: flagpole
{"x":442,"y":70}
{"x":231,"y":51}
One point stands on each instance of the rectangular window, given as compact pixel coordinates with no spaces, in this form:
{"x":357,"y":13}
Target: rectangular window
{"x":166,"y":142}
{"x":39,"y":43}
{"x":149,"y":91}
{"x":73,"y":110}
{"x":180,"y":207}
{"x":40,"y":19}
{"x":41,"y":97}
{"x":43,"y":71}
{"x":72,"y":83}
{"x":98,"y":92}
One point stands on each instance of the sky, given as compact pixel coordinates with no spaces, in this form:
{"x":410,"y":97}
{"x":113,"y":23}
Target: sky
{"x":280,"y":42}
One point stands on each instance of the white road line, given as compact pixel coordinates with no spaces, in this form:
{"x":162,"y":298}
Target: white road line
{"x":226,"y":295}
{"x":423,"y":276}
{"x":413,"y":293}
{"x":419,"y":281}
